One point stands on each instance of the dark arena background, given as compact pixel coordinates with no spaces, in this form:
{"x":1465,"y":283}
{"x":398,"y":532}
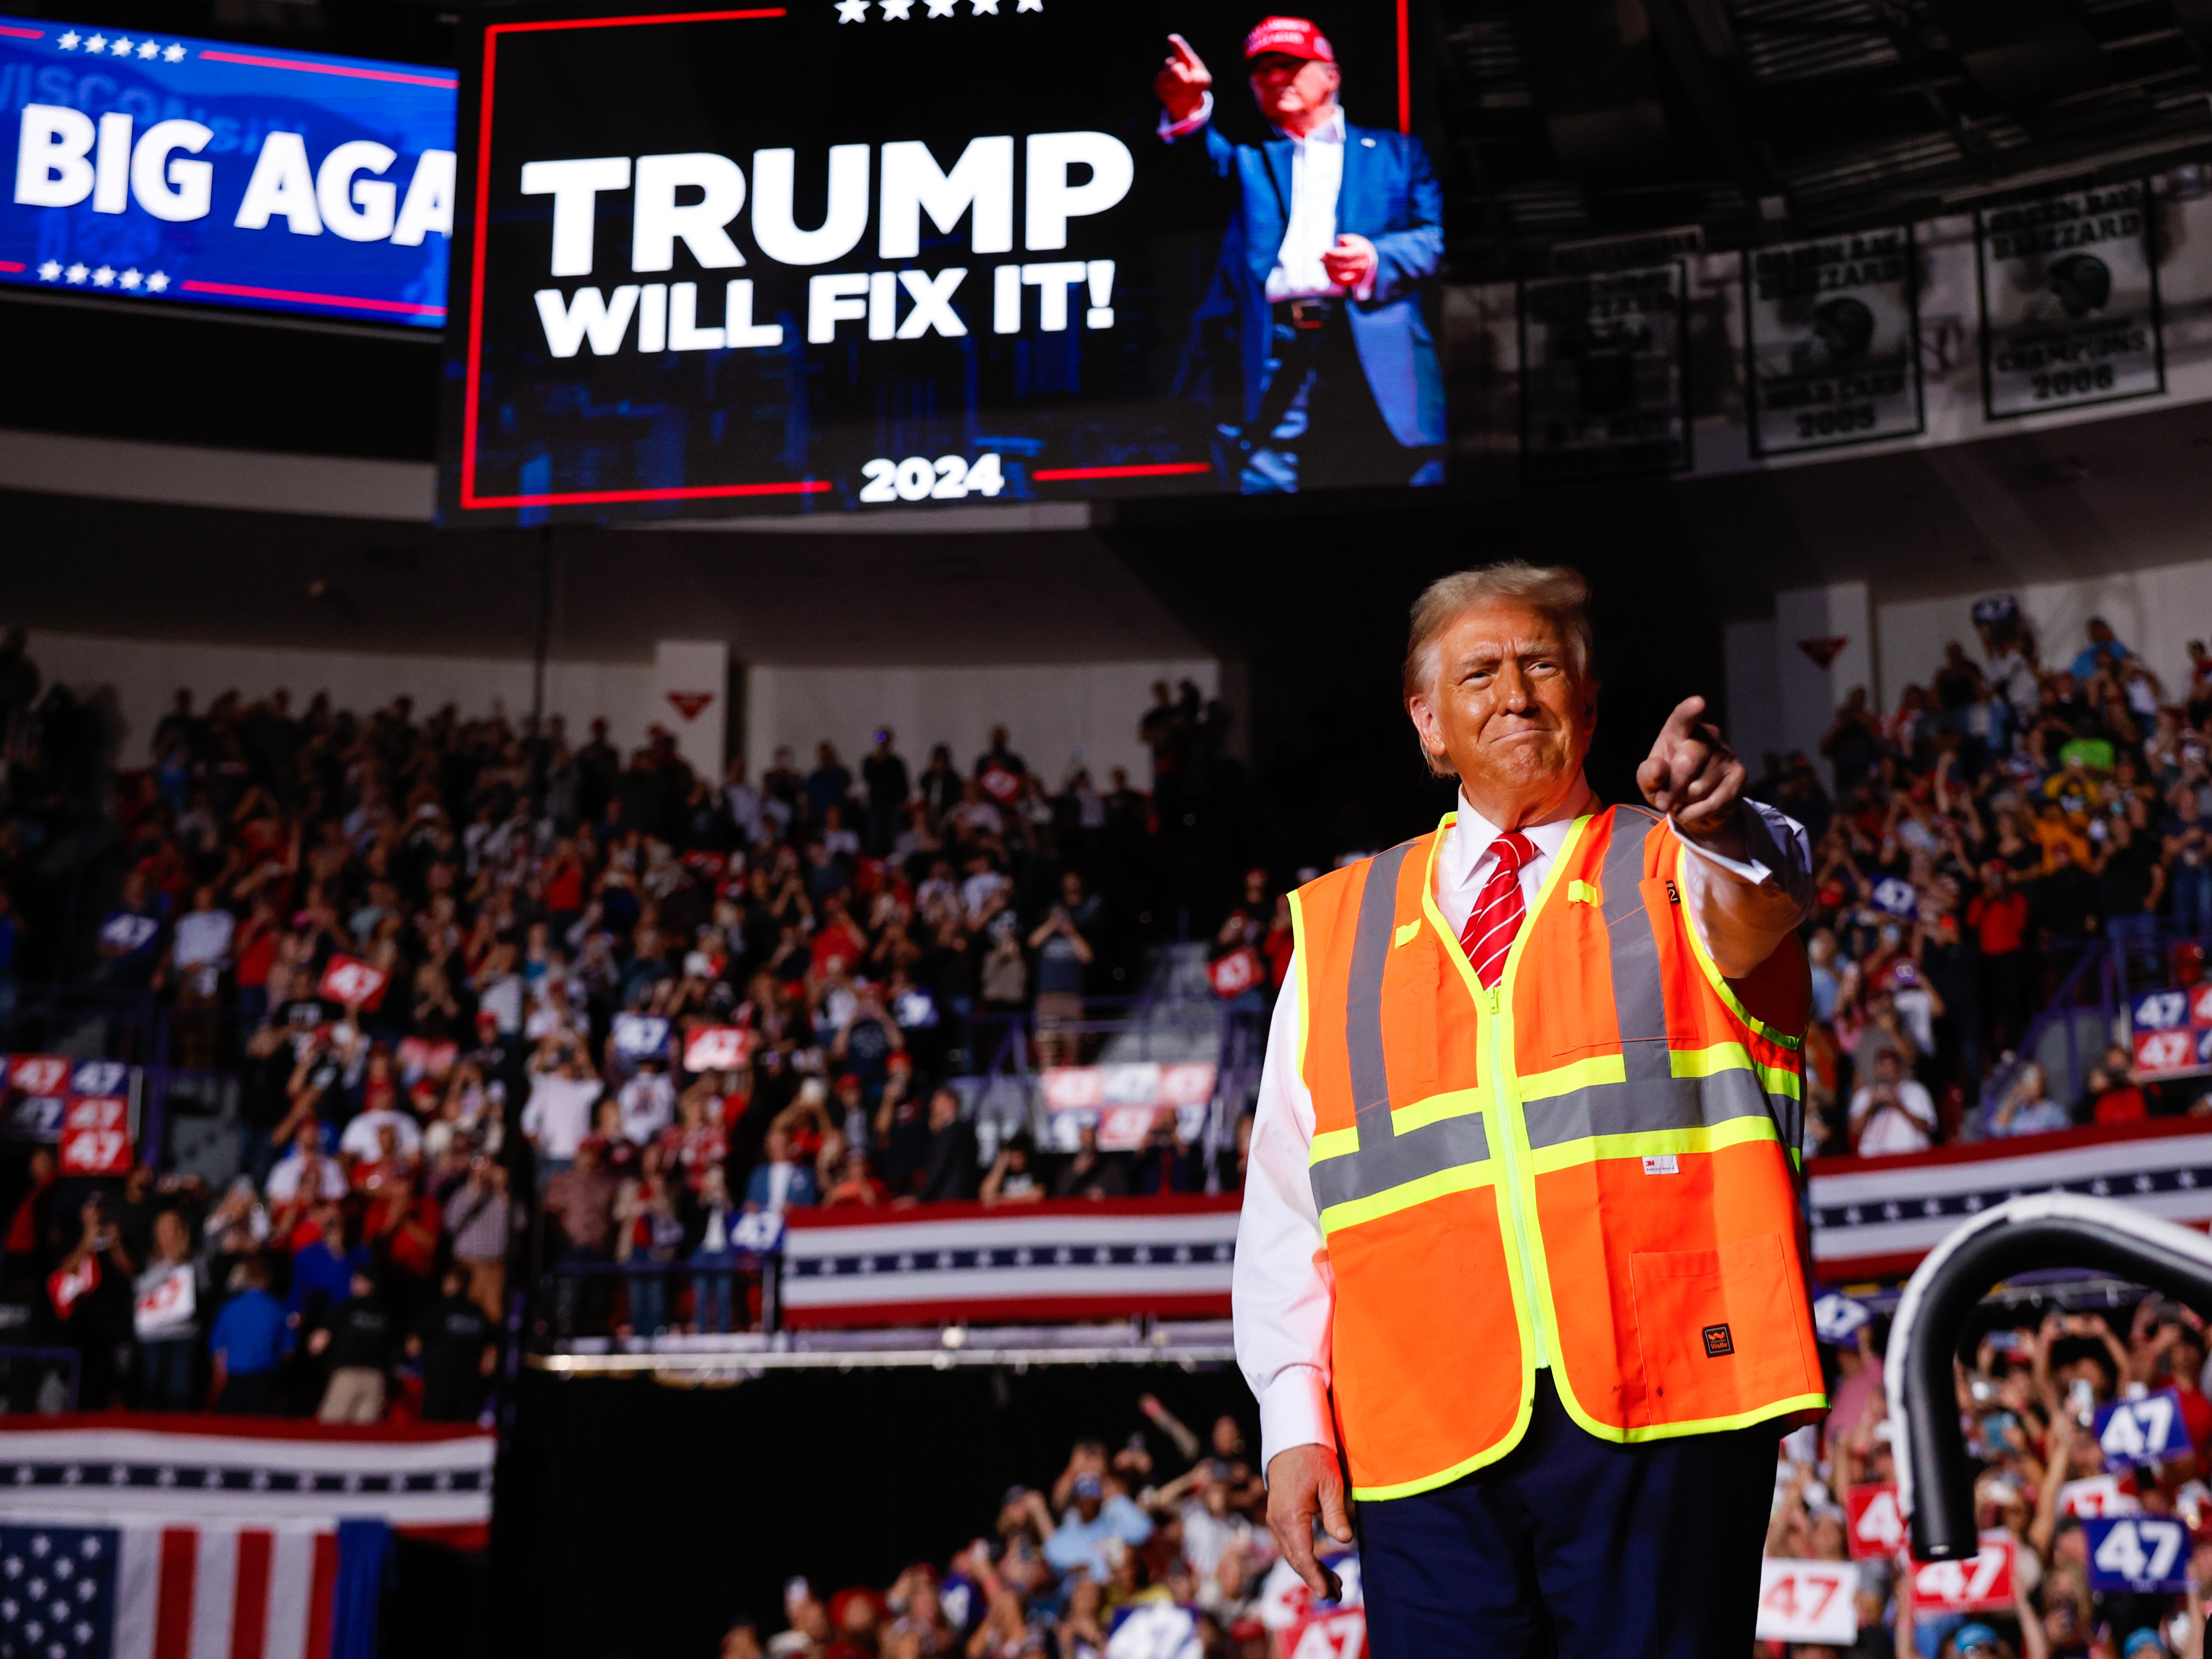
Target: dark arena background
{"x":663,"y":671}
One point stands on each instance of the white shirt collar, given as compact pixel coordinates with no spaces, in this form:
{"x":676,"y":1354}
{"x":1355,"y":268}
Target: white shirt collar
{"x":1330,"y":131}
{"x":1467,"y":851}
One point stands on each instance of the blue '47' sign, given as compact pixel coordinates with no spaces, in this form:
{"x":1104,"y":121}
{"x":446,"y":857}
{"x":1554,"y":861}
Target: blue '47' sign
{"x":2144,"y":1553}
{"x":2143,"y":1431}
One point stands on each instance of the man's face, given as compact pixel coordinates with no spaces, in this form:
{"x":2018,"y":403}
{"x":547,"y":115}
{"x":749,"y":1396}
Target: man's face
{"x":1285,"y":87}
{"x":1506,"y":707}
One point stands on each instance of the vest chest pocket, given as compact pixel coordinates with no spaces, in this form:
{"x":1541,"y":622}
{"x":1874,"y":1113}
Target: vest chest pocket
{"x":1413,"y":984}
{"x":1717,"y":1331}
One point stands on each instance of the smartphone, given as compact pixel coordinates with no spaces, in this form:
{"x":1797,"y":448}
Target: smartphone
{"x":2083,"y":1399}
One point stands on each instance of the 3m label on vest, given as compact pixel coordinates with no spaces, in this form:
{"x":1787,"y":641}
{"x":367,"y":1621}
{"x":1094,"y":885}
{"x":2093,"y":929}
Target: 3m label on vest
{"x":1663,"y":1164}
{"x":1717,"y":1341}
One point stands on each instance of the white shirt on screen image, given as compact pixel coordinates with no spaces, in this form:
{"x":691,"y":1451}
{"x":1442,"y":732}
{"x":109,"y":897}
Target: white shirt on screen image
{"x":1282,"y":1286}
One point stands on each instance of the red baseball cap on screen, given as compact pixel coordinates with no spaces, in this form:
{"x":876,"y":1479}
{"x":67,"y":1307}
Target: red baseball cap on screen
{"x":1294,"y":37}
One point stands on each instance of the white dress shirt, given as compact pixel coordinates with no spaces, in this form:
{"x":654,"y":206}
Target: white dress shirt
{"x":1316,"y":180}
{"x":1282,"y":1290}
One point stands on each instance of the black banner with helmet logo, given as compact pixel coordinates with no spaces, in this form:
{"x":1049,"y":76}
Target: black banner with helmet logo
{"x":1832,"y":339}
{"x":2069,"y":299}
{"x":1604,"y":390}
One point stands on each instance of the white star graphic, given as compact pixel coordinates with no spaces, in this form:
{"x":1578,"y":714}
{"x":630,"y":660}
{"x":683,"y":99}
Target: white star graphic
{"x":852,"y":11}
{"x":90,"y":1549}
{"x":9,"y":1608}
{"x":979,"y":7}
{"x":98,"y":43}
{"x":48,"y":271}
{"x":897,"y":11}
{"x":75,"y":273}
{"x":104,"y":277}
{"x":149,"y":48}
{"x":84,"y":1631}
{"x":941,"y":8}
{"x":157,"y":282}
{"x":1029,"y":5}
{"x":68,"y":41}
{"x":122,"y":46}
{"x":131,"y":278}
{"x":172,"y":54}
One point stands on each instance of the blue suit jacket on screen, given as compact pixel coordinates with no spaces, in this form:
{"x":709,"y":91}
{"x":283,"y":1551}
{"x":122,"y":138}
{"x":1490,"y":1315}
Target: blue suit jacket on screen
{"x":1388,"y":195}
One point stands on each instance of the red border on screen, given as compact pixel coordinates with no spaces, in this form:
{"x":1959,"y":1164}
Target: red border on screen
{"x":470,"y":499}
{"x":238,"y":290}
{"x":346,"y":69}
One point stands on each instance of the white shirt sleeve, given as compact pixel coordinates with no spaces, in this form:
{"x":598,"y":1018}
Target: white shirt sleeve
{"x":1779,"y":855}
{"x":1282,"y":1290}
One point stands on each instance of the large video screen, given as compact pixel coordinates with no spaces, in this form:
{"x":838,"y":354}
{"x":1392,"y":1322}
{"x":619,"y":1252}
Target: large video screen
{"x":157,"y":167}
{"x":860,"y":255}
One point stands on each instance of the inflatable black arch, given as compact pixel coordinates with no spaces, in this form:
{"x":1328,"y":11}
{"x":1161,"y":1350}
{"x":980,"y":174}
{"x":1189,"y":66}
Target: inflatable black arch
{"x":1934,"y":1484}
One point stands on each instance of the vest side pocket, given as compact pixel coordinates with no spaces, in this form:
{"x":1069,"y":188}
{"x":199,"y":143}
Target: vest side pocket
{"x":1717,"y":1330}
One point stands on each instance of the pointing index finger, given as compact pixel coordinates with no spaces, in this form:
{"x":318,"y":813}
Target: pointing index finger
{"x":1683,"y":722}
{"x":1182,"y":49}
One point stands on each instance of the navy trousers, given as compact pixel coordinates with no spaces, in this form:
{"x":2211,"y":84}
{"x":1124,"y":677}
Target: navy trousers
{"x":1575,"y":1547}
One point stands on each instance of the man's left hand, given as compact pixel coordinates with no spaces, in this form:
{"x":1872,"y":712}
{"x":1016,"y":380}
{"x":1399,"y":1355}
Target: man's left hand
{"x":1351,"y":262}
{"x":1694,"y":777}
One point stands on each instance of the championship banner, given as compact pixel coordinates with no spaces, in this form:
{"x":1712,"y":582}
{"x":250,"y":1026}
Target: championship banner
{"x":1604,"y":390}
{"x":1105,"y":1259}
{"x":153,"y":166}
{"x":1833,"y":339}
{"x":2069,"y":301}
{"x":188,"y":1469}
{"x":852,"y":255}
{"x":1874,"y":1218}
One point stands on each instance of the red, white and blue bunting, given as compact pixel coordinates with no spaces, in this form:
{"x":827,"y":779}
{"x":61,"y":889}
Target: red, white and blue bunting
{"x":1115,"y":1258}
{"x":198,"y":1469}
{"x":1874,"y":1218}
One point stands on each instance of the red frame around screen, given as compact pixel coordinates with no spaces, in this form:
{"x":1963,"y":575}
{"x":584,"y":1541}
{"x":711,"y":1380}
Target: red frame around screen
{"x":470,"y":499}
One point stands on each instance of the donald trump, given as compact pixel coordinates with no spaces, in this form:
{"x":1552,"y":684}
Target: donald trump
{"x":1334,"y":232}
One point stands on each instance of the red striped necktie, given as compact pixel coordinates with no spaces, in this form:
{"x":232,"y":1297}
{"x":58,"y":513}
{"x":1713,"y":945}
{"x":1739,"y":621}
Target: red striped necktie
{"x":1495,"y":922}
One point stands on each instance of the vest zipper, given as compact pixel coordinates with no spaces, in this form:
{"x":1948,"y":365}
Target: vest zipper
{"x":1508,"y":1133}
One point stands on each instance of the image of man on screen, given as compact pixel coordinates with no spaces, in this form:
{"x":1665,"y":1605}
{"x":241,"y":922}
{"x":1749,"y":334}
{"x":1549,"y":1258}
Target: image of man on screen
{"x":1335,"y":234}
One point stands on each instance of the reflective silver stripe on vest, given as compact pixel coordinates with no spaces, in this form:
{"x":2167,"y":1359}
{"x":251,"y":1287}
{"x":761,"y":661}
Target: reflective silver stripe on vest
{"x":1628,"y":1109}
{"x":1385,"y":1158}
{"x":1363,"y":1004}
{"x":1650,"y":1098}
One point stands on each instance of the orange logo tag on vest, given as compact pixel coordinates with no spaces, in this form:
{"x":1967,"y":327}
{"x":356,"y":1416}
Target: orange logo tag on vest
{"x":1717,"y":1341}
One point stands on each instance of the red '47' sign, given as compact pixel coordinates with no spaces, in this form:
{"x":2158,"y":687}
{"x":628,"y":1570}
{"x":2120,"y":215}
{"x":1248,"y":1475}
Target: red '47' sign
{"x":1875,"y":1525}
{"x":1981,"y":1585}
{"x":97,"y":1135}
{"x":353,"y":983}
{"x":1340,"y":1634}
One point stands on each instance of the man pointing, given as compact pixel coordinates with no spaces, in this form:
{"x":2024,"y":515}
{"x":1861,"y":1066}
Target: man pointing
{"x":1521,"y":1247}
{"x":1334,"y":234}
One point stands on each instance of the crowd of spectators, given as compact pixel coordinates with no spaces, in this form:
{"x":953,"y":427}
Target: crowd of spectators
{"x":1165,"y":1529}
{"x":2008,"y":813}
{"x":455,"y":968}
{"x":2030,"y":1401}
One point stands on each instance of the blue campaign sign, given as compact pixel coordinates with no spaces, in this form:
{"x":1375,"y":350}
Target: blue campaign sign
{"x":159,"y":167}
{"x":2147,"y":1554}
{"x":2162,"y":1011}
{"x":641,"y":1036}
{"x":2143,"y":1431}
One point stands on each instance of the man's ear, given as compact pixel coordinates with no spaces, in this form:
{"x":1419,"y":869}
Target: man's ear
{"x":1425,"y":725}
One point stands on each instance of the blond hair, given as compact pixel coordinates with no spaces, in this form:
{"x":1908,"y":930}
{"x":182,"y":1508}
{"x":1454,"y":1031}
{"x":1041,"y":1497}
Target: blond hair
{"x":1559,"y":593}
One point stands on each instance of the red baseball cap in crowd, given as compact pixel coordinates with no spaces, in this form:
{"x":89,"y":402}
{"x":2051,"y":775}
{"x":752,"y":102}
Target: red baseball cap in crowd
{"x":1294,"y":37}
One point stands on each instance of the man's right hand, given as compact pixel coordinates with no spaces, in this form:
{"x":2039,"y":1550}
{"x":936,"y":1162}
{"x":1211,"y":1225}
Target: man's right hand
{"x":1303,"y":1481}
{"x":1183,"y":81}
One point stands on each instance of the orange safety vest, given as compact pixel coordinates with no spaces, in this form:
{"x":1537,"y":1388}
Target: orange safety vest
{"x":1591,"y":1166}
